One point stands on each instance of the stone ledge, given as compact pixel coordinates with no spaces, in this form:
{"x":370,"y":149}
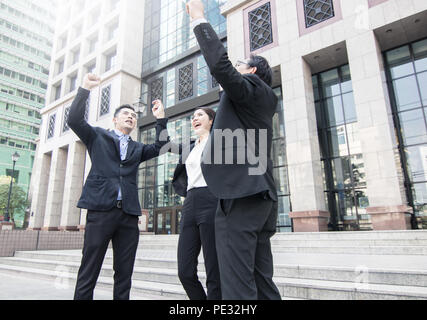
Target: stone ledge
{"x":390,"y":217}
{"x":310,"y":221}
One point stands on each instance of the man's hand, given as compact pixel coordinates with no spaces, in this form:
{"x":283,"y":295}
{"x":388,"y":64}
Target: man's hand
{"x":195,"y":9}
{"x":90,"y":81}
{"x":158,"y":109}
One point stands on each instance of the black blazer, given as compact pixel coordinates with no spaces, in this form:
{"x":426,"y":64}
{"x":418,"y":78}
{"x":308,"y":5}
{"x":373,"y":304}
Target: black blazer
{"x":108,"y":171}
{"x":247,"y":103}
{"x":180,"y":177}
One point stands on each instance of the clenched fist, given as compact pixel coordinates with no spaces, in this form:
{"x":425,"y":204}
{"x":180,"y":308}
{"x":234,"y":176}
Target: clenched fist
{"x":195,"y":9}
{"x":158,"y":109}
{"x":90,"y":81}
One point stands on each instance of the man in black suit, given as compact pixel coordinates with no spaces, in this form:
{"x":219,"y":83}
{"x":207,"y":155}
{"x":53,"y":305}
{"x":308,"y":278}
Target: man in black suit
{"x":110,"y":192}
{"x":247,"y":212}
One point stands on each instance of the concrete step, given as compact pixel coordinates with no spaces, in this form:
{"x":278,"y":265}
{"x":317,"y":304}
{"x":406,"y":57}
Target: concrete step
{"x":166,"y":270}
{"x":372,"y":250}
{"x":289,"y":287}
{"x":307,"y":236}
{"x":154,"y":274}
{"x":63,"y":280}
{"x":321,"y":248}
{"x":354,"y":235}
{"x":336,"y":290}
{"x":168,"y":261}
{"x":141,"y":290}
{"x":347,"y":242}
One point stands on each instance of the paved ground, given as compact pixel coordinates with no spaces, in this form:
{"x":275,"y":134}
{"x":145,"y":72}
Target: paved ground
{"x":15,"y":287}
{"x":23,"y":287}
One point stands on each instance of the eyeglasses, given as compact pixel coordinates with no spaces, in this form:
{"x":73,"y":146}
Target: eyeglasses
{"x":239,"y":63}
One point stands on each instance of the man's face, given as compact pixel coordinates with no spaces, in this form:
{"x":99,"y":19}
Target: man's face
{"x":126,"y":120}
{"x":243,"y":67}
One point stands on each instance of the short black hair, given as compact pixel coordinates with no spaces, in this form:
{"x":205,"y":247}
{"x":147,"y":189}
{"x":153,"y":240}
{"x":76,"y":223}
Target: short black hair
{"x":125,"y":106}
{"x":263,"y":68}
{"x":210,"y":112}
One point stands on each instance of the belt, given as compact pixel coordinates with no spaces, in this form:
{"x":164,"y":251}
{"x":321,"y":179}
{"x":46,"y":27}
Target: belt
{"x":119,"y":204}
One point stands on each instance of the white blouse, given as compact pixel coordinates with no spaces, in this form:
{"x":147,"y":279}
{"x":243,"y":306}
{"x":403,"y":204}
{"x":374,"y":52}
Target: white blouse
{"x":194,"y":170}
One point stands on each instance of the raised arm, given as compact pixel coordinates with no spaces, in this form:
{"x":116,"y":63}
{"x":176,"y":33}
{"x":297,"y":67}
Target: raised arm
{"x":76,"y":119}
{"x":238,"y":87}
{"x":151,"y":151}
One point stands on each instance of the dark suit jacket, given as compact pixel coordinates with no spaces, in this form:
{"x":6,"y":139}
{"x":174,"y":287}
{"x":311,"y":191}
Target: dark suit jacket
{"x":180,"y":177}
{"x":247,"y":103}
{"x":108,"y":171}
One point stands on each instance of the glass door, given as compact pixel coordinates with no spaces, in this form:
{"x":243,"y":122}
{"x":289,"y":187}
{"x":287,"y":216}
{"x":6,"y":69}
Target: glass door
{"x":163,"y":222}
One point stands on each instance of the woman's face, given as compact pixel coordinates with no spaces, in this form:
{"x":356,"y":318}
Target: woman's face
{"x":200,"y":122}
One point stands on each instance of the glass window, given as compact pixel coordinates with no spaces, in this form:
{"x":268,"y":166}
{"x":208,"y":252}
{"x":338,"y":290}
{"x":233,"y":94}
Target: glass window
{"x":337,"y":142}
{"x":400,"y":62}
{"x":406,"y":92}
{"x":420,"y":53}
{"x":419,"y":191}
{"x":330,"y":83}
{"x":349,"y":107}
{"x":335,"y":114}
{"x":417,"y":163}
{"x":422,"y":80}
{"x":414,"y":127}
{"x":343,"y":164}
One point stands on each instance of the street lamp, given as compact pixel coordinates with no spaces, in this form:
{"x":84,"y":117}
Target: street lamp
{"x":15,"y":157}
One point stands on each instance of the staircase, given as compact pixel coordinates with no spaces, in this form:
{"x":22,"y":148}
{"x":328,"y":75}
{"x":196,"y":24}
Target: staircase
{"x":317,"y":266}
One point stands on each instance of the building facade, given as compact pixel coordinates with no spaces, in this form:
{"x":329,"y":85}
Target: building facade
{"x":350,"y":127}
{"x":102,"y":37}
{"x":175,"y":71}
{"x":26,"y":37}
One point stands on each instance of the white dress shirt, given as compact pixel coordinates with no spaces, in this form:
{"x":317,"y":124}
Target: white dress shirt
{"x":194,"y":169}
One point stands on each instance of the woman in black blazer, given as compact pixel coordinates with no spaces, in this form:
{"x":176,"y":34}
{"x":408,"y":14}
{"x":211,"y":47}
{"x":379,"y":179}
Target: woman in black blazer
{"x":197,"y":227}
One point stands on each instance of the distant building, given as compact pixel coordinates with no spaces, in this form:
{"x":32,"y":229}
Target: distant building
{"x":26,"y":37}
{"x":102,"y":37}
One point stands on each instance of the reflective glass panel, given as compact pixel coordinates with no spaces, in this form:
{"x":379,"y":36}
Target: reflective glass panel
{"x":417,"y":163}
{"x":330,"y":83}
{"x":335,"y":114}
{"x":406,"y":92}
{"x":400,"y":62}
{"x":420,"y":53}
{"x":413,"y":127}
{"x":349,"y":107}
{"x":341,"y":170}
{"x":422,"y":80}
{"x":337,"y":142}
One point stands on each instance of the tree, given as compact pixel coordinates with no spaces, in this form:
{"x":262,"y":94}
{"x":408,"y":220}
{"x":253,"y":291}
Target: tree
{"x":18,"y":200}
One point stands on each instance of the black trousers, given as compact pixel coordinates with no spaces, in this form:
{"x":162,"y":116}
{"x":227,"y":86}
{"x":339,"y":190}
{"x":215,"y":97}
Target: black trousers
{"x":101,"y":227}
{"x":197,"y":229}
{"x":243,"y":228}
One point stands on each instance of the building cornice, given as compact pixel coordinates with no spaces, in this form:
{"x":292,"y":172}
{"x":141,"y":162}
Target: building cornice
{"x":232,"y":5}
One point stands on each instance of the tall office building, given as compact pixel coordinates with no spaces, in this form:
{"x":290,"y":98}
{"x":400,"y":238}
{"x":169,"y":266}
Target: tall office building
{"x":26,"y":38}
{"x":102,"y":37}
{"x":350,"y":129}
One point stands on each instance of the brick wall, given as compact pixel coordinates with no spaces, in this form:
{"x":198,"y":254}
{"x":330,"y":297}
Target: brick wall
{"x":16,"y":240}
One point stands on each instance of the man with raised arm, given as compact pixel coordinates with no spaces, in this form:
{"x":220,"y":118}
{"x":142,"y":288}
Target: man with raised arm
{"x":246,"y":217}
{"x":110,"y":193}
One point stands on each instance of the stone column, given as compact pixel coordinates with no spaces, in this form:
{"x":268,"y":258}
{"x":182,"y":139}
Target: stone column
{"x":40,"y":176}
{"x":309,"y":212}
{"x":55,"y":190}
{"x":385,"y":187}
{"x":73,"y":183}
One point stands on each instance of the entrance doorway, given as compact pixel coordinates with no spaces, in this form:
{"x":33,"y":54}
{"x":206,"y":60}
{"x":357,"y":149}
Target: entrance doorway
{"x":166,"y":220}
